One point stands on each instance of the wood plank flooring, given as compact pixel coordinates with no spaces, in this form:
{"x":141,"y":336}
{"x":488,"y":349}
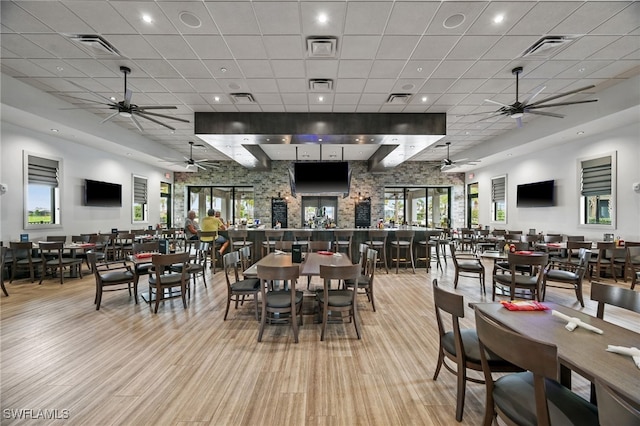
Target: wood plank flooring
{"x":123,"y":365}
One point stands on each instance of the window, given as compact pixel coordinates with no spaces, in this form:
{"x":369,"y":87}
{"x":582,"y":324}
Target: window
{"x":165,"y":204}
{"x":499,"y":199}
{"x":597,"y":190}
{"x":421,"y":206}
{"x":42,"y":178}
{"x":140,"y":206}
{"x":235,"y":203}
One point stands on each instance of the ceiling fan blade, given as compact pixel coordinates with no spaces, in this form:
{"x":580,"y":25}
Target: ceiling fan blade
{"x":497,"y":103}
{"x":550,"y":98}
{"x":519,"y":122}
{"x":157,"y":107}
{"x":87,"y":100}
{"x":154,"y":114}
{"x":498,"y":114}
{"x":548,"y":114}
{"x":200,"y":166}
{"x":110,"y":102}
{"x":136,"y":122}
{"x":153,"y":119}
{"x":110,"y":117}
{"x":533,"y":95}
{"x":561,"y":104}
{"x":127,"y":98}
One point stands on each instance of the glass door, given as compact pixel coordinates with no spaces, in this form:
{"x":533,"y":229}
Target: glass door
{"x":319,"y":212}
{"x":165,"y":205}
{"x":473,"y":206}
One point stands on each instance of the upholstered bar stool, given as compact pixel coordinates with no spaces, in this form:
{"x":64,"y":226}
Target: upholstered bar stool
{"x":378,"y":241}
{"x":270,"y":238}
{"x":402,"y":249}
{"x":431,"y":242}
{"x":342,"y":240}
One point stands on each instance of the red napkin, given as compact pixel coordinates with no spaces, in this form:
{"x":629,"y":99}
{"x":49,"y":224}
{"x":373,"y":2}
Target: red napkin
{"x":325,"y":252}
{"x":87,"y":245}
{"x":529,"y":305}
{"x":524,"y":252}
{"x":143,"y":255}
{"x":553,"y":245}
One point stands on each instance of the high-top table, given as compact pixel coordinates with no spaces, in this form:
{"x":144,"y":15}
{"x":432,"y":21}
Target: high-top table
{"x":581,"y":350}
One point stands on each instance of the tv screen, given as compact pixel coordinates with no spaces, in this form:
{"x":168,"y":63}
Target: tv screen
{"x":321,"y":177}
{"x":102,"y":194}
{"x":537,"y":194}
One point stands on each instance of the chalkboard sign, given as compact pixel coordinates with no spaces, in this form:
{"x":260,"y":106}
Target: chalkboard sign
{"x":363,"y":214}
{"x":279,"y":212}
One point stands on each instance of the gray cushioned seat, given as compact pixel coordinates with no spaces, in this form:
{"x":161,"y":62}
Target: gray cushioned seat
{"x":337,"y":297}
{"x":249,"y":285}
{"x":116,"y":276}
{"x":470,"y":343}
{"x":282,"y":298}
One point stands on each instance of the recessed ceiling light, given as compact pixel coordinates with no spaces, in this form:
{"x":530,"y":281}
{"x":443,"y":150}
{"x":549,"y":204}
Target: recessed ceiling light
{"x":319,"y":139}
{"x":322,"y":18}
{"x":55,"y":130}
{"x":113,"y":98}
{"x":419,"y":69}
{"x":60,"y":68}
{"x":284,"y":140}
{"x":320,"y":98}
{"x":216,"y":98}
{"x":223,"y":69}
{"x":580,"y":133}
{"x":357,"y":139}
{"x":424,"y":99}
{"x":498,"y":19}
{"x":147,"y":19}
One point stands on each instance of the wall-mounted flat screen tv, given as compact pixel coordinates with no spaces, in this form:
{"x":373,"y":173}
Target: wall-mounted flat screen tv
{"x":537,"y":194}
{"x":102,"y":194}
{"x":318,"y":177}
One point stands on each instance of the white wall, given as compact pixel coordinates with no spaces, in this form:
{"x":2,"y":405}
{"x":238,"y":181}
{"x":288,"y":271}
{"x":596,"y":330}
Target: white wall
{"x":560,"y":163}
{"x":79,"y":162}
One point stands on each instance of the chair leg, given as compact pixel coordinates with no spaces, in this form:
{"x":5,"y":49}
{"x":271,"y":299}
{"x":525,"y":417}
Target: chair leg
{"x":294,"y":321}
{"x":325,"y":319}
{"x":263,"y":321}
{"x":226,"y":312}
{"x":439,"y":364}
{"x":462,"y":385}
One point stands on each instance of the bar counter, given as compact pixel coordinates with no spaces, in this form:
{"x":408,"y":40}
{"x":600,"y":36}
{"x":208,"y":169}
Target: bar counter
{"x":360,"y":235}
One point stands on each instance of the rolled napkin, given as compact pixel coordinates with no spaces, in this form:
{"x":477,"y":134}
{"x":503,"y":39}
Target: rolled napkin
{"x":632,"y":352}
{"x":337,"y":254}
{"x":573,"y":322}
{"x":279,"y":252}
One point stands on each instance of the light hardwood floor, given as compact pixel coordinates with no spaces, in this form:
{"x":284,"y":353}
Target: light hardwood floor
{"x":125,"y":365}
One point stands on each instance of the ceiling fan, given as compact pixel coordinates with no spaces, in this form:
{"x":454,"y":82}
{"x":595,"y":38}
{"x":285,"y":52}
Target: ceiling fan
{"x":518,"y":109}
{"x":125,"y":108}
{"x":448,"y":163}
{"x":197,"y":164}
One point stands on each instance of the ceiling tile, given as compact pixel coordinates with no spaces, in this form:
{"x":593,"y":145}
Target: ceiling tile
{"x":396,"y":47}
{"x":359,"y":47}
{"x":278,"y":17}
{"x":366,"y":17}
{"x":411,"y":17}
{"x":283,"y":47}
{"x":234,"y":17}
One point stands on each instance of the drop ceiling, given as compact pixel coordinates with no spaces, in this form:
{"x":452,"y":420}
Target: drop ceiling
{"x":366,"y":57}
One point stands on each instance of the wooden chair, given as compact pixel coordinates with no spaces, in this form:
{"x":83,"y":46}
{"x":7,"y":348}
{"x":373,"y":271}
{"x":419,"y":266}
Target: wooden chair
{"x":343,"y":239}
{"x":567,"y":273}
{"x":112,"y":274}
{"x":163,"y":281}
{"x":197,"y":262}
{"x":208,"y":240}
{"x":632,"y":263}
{"x":3,"y":255}
{"x":53,"y":260}
{"x":238,"y":239}
{"x":467,"y":240}
{"x":530,"y":240}
{"x":338,"y":300}
{"x":512,"y":279}
{"x":613,"y":410}
{"x":315,"y":246}
{"x":467,"y":265}
{"x":604,"y":260}
{"x":238,"y":289}
{"x":430,"y":243}
{"x":613,"y":295}
{"x":378,"y":241}
{"x":402,"y":249}
{"x":365,"y":281}
{"x":270,"y":238}
{"x":284,"y":246}
{"x":23,"y":259}
{"x":302,"y":237}
{"x":458,"y":345}
{"x":286,"y":303}
{"x":525,"y":398}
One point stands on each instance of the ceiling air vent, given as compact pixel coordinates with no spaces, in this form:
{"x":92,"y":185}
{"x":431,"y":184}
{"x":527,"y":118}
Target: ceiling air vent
{"x":399,"y":98}
{"x":321,"y":47}
{"x":94,"y":44}
{"x":548,"y":46}
{"x":320,"y":85}
{"x":243,"y":98}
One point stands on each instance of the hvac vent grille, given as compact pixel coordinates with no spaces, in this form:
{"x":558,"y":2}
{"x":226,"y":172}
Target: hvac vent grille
{"x":243,"y":98}
{"x":320,"y":85}
{"x":548,"y":46}
{"x":399,"y":98}
{"x":322,"y":47}
{"x":94,"y":44}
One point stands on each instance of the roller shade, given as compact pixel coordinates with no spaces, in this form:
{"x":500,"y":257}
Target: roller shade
{"x":596,"y":176}
{"x":498,"y":189}
{"x":139,"y":190}
{"x":42,"y":171}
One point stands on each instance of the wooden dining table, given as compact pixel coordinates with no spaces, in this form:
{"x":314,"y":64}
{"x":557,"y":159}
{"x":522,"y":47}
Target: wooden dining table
{"x":580,"y":350}
{"x":310,"y":265}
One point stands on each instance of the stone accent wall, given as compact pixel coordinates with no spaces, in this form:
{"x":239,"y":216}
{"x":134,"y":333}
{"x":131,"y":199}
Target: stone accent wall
{"x":268,"y":184}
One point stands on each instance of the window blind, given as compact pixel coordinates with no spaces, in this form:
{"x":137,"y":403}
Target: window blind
{"x":139,"y":190}
{"x":596,"y":176}
{"x":498,"y":189}
{"x":42,"y":171}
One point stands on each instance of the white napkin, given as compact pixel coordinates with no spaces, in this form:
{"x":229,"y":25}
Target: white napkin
{"x":337,"y":254}
{"x":573,"y":322}
{"x":632,"y":352}
{"x":279,"y":252}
